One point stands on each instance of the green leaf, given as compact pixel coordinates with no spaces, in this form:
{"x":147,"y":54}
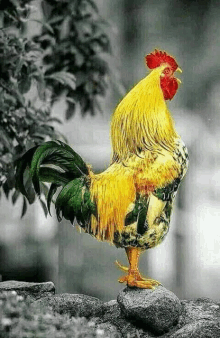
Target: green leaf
{"x":24,"y":85}
{"x":24,"y":82}
{"x":54,"y":119}
{"x":19,"y":66}
{"x":93,"y":5}
{"x":65,"y":78}
{"x":5,"y":139}
{"x":45,"y":25}
{"x":41,"y":85}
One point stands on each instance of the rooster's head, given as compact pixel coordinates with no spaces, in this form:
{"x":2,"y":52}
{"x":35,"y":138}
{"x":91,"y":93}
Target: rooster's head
{"x":168,"y":82}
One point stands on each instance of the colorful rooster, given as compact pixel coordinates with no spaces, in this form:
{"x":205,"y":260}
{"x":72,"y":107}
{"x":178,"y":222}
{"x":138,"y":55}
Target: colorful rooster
{"x":130,"y":203}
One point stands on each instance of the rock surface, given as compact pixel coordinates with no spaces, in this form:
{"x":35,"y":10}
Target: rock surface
{"x":199,"y":329}
{"x":75,"y":305}
{"x":138,"y":313}
{"x":109,"y":330}
{"x":34,"y":290}
{"x":157,"y":310}
{"x":200,"y":318}
{"x":112,"y":316}
{"x":199,"y":309}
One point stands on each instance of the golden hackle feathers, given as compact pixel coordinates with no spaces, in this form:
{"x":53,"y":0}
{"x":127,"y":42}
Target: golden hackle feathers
{"x":151,"y":171}
{"x":113,"y":191}
{"x":142,"y":120}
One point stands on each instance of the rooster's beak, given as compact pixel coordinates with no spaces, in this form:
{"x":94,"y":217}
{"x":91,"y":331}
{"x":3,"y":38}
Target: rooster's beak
{"x":180,"y":71}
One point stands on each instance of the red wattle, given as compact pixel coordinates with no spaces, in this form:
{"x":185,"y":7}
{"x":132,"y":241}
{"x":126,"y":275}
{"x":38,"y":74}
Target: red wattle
{"x":169,"y":87}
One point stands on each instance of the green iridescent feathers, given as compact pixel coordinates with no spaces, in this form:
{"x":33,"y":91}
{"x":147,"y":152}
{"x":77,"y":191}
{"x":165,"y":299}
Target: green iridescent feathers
{"x":56,"y":163}
{"x":139,"y":215}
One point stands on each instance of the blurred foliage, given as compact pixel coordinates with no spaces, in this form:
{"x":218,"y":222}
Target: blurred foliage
{"x":67,"y":58}
{"x":74,"y":39}
{"x":15,"y":12}
{"x":21,"y":318}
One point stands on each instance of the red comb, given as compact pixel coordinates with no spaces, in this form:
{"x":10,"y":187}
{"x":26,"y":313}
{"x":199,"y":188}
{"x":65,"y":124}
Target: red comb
{"x":157,"y":58}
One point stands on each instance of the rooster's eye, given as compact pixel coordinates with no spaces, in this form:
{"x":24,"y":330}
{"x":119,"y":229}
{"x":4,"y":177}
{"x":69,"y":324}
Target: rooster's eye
{"x":167,"y":71}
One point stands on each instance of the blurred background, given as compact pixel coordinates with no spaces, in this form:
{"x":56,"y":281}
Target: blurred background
{"x":36,"y":248}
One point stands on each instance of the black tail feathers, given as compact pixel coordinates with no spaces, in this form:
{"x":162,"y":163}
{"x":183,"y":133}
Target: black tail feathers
{"x":57,"y":163}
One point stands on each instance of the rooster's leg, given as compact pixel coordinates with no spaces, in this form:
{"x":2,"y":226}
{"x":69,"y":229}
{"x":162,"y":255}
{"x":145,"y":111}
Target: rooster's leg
{"x":134,"y":278}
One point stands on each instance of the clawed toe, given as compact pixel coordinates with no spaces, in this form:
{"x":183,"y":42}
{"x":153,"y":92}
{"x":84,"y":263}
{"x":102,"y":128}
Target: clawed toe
{"x":121,"y":267}
{"x":134,"y":278}
{"x":123,"y":279}
{"x":154,"y":282}
{"x":143,"y":283}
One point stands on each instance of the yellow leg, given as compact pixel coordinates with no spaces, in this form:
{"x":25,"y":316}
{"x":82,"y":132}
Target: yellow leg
{"x":134,"y":278}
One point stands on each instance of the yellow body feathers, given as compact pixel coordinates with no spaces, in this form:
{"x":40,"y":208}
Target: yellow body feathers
{"x":143,"y":140}
{"x":130,"y":203}
{"x":142,"y":120}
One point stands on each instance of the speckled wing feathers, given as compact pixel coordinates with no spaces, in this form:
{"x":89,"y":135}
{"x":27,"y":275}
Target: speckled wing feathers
{"x":159,"y":206}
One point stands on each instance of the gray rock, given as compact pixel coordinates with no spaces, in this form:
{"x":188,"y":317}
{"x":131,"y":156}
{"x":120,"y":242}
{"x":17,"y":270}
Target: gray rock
{"x":157,"y":310}
{"x":34,"y":290}
{"x":109,"y":330}
{"x":111,"y":311}
{"x":138,"y":313}
{"x":112,"y":316}
{"x":199,"y":318}
{"x":75,"y":305}
{"x":201,"y":308}
{"x":199,"y":329}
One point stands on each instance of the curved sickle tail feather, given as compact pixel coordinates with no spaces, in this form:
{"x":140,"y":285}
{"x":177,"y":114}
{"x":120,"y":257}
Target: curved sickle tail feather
{"x":56,"y":163}
{"x":98,"y":202}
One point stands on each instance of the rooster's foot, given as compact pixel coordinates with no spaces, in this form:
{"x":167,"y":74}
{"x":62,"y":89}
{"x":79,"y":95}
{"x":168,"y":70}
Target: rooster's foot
{"x":134,"y":279}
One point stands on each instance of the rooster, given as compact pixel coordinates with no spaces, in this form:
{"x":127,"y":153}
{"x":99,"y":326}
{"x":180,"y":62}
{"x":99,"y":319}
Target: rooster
{"x":130,"y":203}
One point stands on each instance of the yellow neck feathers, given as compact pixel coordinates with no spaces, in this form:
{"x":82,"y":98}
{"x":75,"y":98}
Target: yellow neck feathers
{"x":142,"y":120}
